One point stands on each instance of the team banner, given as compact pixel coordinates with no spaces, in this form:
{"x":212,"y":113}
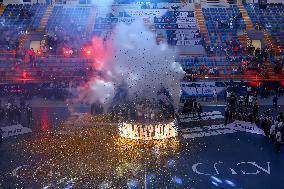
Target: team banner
{"x":183,"y":13}
{"x":146,"y":12}
{"x":14,"y":130}
{"x":115,"y":20}
{"x":185,"y":20}
{"x":214,"y":115}
{"x":127,"y":20}
{"x":104,"y":26}
{"x":188,"y":42}
{"x":184,"y":36}
{"x":187,"y":25}
{"x":201,"y":88}
{"x":175,"y":20}
{"x":183,"y":31}
{"x":213,"y":130}
{"x":176,"y":26}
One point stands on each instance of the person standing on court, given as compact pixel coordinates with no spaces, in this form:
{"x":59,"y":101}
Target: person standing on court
{"x":199,"y":110}
{"x":278,"y":140}
{"x":227,"y":115}
{"x":215,"y":97}
{"x":273,"y":130}
{"x":29,"y":114}
{"x":275,"y":103}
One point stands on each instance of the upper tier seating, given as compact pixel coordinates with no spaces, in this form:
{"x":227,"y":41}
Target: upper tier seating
{"x":271,"y":18}
{"x":15,"y":20}
{"x":71,"y":19}
{"x":67,"y":27}
{"x":217,"y":22}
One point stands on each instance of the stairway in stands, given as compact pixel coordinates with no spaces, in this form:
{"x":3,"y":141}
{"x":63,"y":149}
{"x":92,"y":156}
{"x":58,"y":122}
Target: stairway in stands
{"x":201,"y":23}
{"x":23,"y":40}
{"x":2,"y":9}
{"x":92,"y":20}
{"x":268,"y":39}
{"x":45,"y":18}
{"x":249,"y":24}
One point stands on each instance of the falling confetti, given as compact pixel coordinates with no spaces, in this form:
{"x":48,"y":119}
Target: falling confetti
{"x":91,"y":153}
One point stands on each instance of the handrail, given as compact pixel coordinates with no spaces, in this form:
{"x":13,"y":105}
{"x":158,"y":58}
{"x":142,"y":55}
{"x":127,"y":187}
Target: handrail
{"x":11,"y":52}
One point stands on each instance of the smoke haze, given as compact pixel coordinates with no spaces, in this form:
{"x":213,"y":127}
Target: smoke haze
{"x":133,"y":57}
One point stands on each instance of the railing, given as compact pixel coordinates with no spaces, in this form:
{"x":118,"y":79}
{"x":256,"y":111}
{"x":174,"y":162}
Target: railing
{"x":8,"y":53}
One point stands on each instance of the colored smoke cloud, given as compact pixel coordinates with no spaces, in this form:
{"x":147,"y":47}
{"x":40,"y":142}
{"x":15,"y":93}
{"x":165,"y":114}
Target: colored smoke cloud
{"x":144,"y":65}
{"x":133,"y":57}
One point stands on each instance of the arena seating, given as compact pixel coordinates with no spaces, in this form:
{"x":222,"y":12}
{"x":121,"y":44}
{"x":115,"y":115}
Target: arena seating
{"x":15,"y":20}
{"x":71,"y":19}
{"x":68,"y":27}
{"x":219,"y":66}
{"x":222,"y":68}
{"x":271,"y":18}
{"x":52,"y":68}
{"x":216,"y":20}
{"x":38,"y":15}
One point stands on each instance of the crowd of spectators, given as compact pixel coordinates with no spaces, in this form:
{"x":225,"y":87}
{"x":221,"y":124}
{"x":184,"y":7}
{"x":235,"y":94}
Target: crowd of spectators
{"x":9,"y":39}
{"x":58,"y":90}
{"x":16,"y":20}
{"x":273,"y":128}
{"x":12,"y":113}
{"x":245,"y":107}
{"x":191,"y":106}
{"x":241,"y":61}
{"x":58,"y":41}
{"x":269,"y":19}
{"x":242,"y":107}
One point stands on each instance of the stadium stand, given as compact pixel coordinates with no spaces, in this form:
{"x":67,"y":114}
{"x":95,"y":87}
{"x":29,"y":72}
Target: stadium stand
{"x":270,"y":19}
{"x":220,"y":24}
{"x":70,"y":32}
{"x":16,"y":20}
{"x":221,"y":30}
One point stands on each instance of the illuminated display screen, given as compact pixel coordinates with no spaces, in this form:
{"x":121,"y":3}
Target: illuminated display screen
{"x":148,"y":132}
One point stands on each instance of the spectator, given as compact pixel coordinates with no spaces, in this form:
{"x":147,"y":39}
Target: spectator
{"x":273,"y":129}
{"x":275,"y":103}
{"x":199,"y":110}
{"x":215,"y":96}
{"x":278,"y":140}
{"x":228,"y":96}
{"x":250,"y":100}
{"x":227,"y":115}
{"x":29,"y":114}
{"x":255,"y":109}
